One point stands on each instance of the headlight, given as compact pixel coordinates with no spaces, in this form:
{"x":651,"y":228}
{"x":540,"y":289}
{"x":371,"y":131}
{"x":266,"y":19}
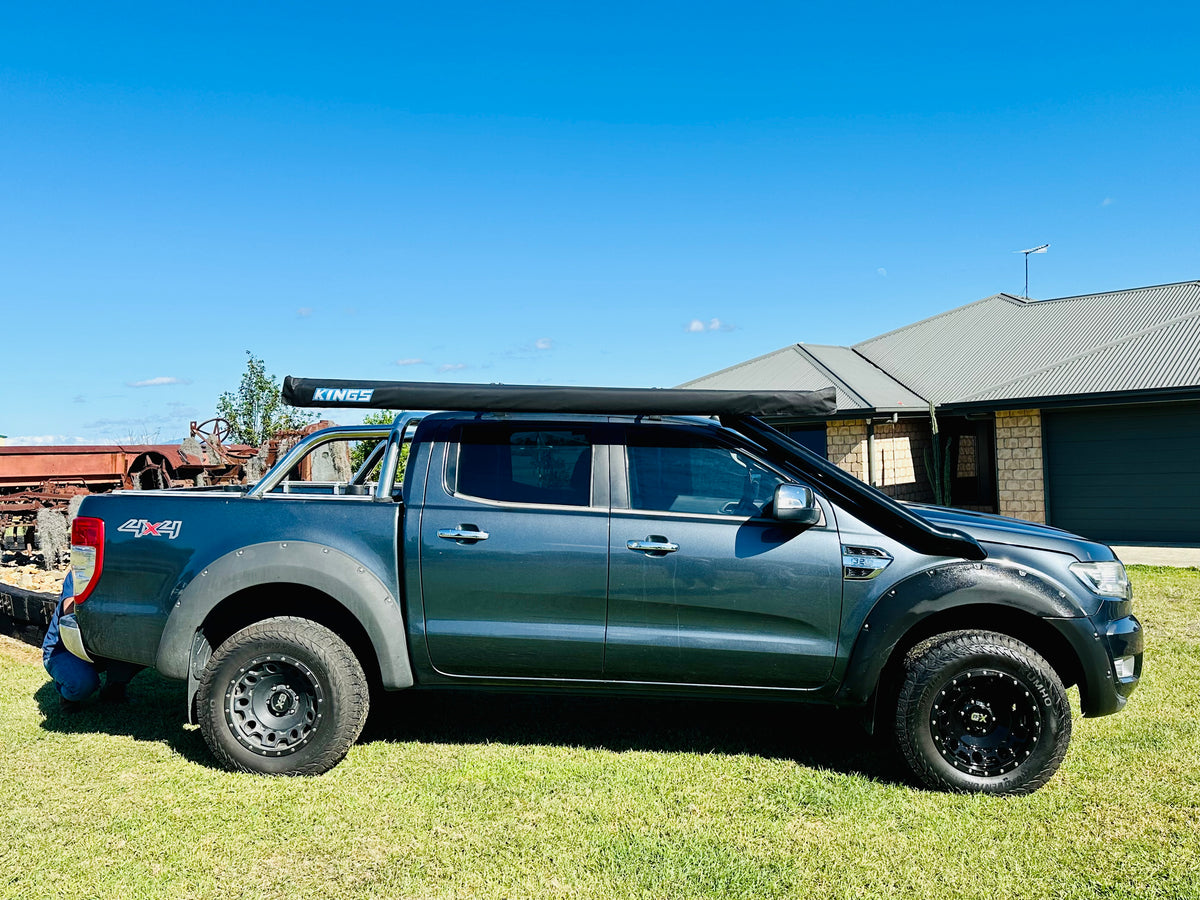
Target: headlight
{"x":1107,"y":578}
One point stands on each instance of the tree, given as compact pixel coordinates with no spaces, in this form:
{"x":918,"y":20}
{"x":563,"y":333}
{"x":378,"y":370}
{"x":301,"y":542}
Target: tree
{"x":360,"y":451}
{"x":256,"y":411}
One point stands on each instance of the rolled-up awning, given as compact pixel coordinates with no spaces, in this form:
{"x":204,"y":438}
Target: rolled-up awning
{"x":541,"y":398}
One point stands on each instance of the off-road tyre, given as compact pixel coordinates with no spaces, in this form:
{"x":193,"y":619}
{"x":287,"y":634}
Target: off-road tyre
{"x":981,"y":712}
{"x":285,"y":696}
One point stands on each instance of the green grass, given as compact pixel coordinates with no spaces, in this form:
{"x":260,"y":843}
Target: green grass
{"x":502,"y":796}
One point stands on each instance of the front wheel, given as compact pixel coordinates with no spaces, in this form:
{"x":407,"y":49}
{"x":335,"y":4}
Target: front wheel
{"x":284,"y":696}
{"x":981,"y":712}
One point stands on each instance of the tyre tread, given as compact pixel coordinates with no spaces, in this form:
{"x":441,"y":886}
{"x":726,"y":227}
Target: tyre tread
{"x":923,"y":663}
{"x":343,"y":667}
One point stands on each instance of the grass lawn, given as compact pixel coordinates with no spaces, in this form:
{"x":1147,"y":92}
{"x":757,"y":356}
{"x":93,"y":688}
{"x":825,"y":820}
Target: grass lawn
{"x":502,"y":796}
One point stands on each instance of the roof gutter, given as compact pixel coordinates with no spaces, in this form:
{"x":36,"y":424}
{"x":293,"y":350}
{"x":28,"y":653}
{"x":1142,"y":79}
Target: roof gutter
{"x":1086,"y":398}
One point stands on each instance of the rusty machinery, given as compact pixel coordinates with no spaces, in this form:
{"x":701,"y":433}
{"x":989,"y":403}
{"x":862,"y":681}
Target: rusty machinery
{"x":36,"y":479}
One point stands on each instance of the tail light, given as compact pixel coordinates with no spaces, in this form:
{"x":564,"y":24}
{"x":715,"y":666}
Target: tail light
{"x":87,"y":554}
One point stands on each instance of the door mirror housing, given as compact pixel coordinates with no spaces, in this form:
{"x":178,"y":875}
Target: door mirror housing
{"x":796,"y":504}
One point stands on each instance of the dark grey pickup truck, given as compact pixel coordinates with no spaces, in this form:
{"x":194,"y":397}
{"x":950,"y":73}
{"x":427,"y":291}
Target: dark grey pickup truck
{"x":600,"y":539}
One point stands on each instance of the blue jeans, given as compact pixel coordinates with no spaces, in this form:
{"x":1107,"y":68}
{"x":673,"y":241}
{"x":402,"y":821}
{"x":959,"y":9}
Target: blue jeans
{"x":75,"y":678}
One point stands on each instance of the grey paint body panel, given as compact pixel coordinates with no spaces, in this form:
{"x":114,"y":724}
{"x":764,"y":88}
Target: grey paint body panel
{"x":332,"y":572}
{"x":145,"y":579}
{"x":936,"y":590}
{"x":739,"y":599}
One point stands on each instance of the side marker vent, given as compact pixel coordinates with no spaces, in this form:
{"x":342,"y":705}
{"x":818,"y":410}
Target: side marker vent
{"x":863,"y":563}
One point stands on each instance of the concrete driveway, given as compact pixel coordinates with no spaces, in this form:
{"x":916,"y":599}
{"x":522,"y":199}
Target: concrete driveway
{"x":1152,"y":555}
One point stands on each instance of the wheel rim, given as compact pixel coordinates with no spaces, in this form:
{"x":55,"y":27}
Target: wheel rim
{"x":985,"y":723}
{"x":273,"y":705}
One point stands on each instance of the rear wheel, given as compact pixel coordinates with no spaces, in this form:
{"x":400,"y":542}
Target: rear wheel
{"x":983,"y":712}
{"x":285,"y":696}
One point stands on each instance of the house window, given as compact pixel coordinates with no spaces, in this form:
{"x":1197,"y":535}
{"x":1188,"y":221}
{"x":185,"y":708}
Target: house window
{"x":811,"y":436}
{"x":967,"y":457}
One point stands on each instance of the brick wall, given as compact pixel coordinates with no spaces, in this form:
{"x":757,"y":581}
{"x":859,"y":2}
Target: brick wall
{"x":1019,"y":481}
{"x":899,"y":455}
{"x":846,"y":446}
{"x":900,"y":459}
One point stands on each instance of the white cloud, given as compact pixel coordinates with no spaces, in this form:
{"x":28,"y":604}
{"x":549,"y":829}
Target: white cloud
{"x":1107,"y":201}
{"x":696,"y":326}
{"x":881,"y":271}
{"x":158,"y":382}
{"x":410,"y":362}
{"x":451,"y":367}
{"x":544,"y":344}
{"x":304,"y":312}
{"x":48,"y":440}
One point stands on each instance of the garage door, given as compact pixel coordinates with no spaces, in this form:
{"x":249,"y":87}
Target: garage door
{"x":1128,"y":473}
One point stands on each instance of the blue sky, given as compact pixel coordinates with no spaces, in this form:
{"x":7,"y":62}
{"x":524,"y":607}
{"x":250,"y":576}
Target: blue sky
{"x":625,"y":194}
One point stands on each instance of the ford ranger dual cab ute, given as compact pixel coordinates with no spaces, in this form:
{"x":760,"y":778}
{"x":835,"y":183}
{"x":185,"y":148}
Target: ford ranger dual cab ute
{"x":657,"y":542}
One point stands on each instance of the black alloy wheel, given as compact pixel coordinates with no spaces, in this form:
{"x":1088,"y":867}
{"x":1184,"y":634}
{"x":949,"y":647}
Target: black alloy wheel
{"x":985,"y":722}
{"x":983,"y":712}
{"x":274,"y":704}
{"x":285,"y":696}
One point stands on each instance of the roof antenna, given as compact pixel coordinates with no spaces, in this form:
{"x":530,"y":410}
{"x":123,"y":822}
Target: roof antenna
{"x":1041,"y":249}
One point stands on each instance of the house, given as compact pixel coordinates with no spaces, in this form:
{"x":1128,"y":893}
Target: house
{"x":1081,"y":412}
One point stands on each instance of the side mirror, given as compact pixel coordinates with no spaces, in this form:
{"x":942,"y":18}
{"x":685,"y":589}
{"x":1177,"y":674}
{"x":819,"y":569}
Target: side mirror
{"x":796,"y":504}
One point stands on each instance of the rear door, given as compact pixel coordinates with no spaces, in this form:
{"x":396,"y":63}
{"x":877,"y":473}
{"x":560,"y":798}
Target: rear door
{"x":704,"y":586}
{"x":514,"y":551}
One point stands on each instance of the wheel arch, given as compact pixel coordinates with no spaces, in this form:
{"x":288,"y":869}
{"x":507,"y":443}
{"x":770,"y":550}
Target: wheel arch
{"x":974,"y":596}
{"x":293,"y":578}
{"x":301,"y":601}
{"x":1043,"y":638}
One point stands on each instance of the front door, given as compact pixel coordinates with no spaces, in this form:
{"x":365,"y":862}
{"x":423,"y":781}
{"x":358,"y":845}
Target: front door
{"x":514,"y":552}
{"x":704,"y":587}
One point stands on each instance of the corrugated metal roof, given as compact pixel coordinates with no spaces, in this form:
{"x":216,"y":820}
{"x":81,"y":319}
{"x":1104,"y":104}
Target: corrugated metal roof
{"x":1000,"y":349}
{"x":877,"y":389}
{"x":1167,"y":357}
{"x":977,"y":351}
{"x":861,"y":386}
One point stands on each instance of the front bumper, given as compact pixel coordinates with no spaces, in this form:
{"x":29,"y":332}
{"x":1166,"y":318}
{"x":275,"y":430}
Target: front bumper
{"x":1098,"y":643}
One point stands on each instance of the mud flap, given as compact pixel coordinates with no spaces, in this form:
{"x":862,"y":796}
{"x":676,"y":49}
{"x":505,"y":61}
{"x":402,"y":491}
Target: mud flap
{"x":202,"y":651}
{"x":868,"y":712}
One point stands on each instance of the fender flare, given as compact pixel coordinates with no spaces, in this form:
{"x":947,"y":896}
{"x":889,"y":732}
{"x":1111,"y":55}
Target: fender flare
{"x":360,"y":591}
{"x":955,"y":585}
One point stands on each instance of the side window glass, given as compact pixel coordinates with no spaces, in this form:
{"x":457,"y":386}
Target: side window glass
{"x":677,"y":472}
{"x":518,"y":463}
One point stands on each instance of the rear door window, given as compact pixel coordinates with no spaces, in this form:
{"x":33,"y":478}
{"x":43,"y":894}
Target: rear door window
{"x":523,"y":463}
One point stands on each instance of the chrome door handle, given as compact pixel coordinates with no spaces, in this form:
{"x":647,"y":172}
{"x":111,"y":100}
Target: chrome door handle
{"x":462,"y":533}
{"x":653,"y":545}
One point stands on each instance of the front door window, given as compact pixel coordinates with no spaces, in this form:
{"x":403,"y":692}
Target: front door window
{"x":705,"y":587}
{"x":686,"y":474}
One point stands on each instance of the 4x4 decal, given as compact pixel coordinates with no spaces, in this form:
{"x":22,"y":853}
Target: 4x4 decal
{"x":168,"y":528}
